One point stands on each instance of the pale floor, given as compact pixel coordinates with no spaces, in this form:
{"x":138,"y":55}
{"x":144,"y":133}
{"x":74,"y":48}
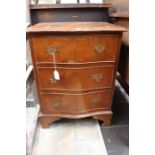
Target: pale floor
{"x":70,"y":137}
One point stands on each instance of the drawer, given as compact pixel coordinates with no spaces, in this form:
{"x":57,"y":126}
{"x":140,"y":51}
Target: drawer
{"x":75,"y":103}
{"x":75,"y":79}
{"x":79,"y":49}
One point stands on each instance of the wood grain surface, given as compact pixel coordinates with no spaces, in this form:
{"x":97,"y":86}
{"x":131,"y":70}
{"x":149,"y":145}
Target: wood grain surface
{"x":75,"y":27}
{"x":86,"y":57}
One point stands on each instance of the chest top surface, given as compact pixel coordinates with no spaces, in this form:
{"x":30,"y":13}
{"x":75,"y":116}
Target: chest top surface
{"x":75,"y":27}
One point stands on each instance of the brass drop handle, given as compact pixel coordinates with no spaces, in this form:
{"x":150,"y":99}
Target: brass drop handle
{"x":96,"y":100}
{"x":51,"y":50}
{"x":56,"y":102}
{"x":97,"y":77}
{"x":100,"y":48}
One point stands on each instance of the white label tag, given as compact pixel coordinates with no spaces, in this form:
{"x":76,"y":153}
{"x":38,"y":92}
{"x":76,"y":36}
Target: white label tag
{"x":56,"y":75}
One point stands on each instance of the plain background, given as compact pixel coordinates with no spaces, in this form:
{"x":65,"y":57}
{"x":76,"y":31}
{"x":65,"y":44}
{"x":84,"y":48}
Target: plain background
{"x":13,"y":74}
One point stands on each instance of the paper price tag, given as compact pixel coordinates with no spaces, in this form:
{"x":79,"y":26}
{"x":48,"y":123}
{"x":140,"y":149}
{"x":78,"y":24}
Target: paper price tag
{"x":56,"y":75}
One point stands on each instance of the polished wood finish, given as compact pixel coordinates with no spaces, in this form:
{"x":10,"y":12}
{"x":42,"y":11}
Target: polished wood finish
{"x":86,"y":84}
{"x":75,"y":27}
{"x":70,"y":48}
{"x":74,"y":79}
{"x":47,"y":118}
{"x":65,"y":103}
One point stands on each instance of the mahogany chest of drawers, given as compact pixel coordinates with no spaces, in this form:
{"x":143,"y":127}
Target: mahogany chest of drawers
{"x":85,"y":56}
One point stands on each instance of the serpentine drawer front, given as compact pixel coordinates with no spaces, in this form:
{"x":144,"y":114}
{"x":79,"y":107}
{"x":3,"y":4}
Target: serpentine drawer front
{"x":76,"y":78}
{"x":78,"y":49}
{"x":75,"y":103}
{"x":75,"y":65}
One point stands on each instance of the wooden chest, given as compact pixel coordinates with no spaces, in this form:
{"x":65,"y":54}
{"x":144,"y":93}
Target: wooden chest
{"x":85,"y":55}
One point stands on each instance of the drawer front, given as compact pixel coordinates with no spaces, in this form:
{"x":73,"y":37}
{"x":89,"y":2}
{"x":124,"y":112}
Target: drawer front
{"x":75,"y":79}
{"x":75,"y":103}
{"x":81,"y":49}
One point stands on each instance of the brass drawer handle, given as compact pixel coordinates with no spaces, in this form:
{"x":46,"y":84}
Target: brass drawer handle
{"x":97,"y":77}
{"x":96,"y":100}
{"x":56,"y":102}
{"x":51,"y":50}
{"x":100,"y":48}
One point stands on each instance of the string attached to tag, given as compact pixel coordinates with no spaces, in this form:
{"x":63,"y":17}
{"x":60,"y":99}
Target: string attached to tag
{"x":55,"y":72}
